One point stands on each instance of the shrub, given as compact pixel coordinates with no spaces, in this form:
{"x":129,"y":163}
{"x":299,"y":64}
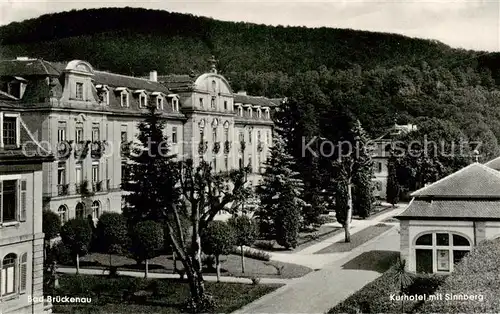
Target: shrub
{"x":217,"y":239}
{"x":475,"y":275}
{"x":77,"y":235}
{"x":146,"y":242}
{"x":265,"y":245}
{"x":51,"y":224}
{"x":375,"y":296}
{"x":255,"y":254}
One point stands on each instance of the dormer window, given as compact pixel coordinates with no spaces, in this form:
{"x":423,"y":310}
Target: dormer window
{"x":259,"y":113}
{"x":201,"y":102}
{"x":249,"y":112}
{"x":159,"y":102}
{"x":143,"y":100}
{"x":175,"y":105}
{"x":79,"y":91}
{"x":124,"y":99}
{"x":10,"y":130}
{"x":267,"y":114}
{"x":240,"y":111}
{"x":214,"y":86}
{"x":103,"y":94}
{"x":213,"y":103}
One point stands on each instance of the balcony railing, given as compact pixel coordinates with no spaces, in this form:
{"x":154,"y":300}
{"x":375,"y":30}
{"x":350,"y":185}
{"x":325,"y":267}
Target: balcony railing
{"x":227,"y":147}
{"x":82,"y":188}
{"x":216,"y":148}
{"x":202,"y":147}
{"x":62,"y":189}
{"x":125,"y":148}
{"x":82,"y":149}
{"x":97,"y":149}
{"x":64,"y":149}
{"x":97,"y":186}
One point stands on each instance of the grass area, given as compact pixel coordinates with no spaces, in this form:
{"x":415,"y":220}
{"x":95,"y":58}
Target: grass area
{"x":375,"y":260}
{"x":116,"y":295}
{"x":379,"y":210}
{"x":230,"y":266}
{"x":357,"y":239}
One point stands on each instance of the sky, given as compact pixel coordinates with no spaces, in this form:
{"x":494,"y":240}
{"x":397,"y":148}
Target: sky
{"x":469,"y":24}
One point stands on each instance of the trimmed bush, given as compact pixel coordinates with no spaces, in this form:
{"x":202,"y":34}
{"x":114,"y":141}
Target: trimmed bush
{"x":375,"y":296}
{"x":255,"y":254}
{"x":265,"y":245}
{"x":476,"y":276}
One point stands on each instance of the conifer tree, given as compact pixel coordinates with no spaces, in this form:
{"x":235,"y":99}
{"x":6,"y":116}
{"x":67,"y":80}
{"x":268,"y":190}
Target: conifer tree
{"x":281,"y":195}
{"x":392,"y":189}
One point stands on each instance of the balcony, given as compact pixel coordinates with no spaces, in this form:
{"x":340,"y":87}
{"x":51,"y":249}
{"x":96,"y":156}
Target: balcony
{"x":64,"y":149}
{"x":216,"y":148}
{"x":82,"y":188}
{"x":82,"y":149}
{"x":97,"y":186}
{"x":227,"y":147}
{"x":97,"y":149}
{"x":202,"y":147}
{"x":62,"y":189}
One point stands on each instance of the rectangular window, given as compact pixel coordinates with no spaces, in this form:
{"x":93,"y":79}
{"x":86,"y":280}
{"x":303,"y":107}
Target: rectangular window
{"x":79,"y":91}
{"x":241,"y":136}
{"x":61,"y":173}
{"x":443,"y":260}
{"x":95,"y":173}
{"x":78,"y":172}
{"x":9,"y":131}
{"x":159,"y":102}
{"x":142,"y":101}
{"x":202,"y":134}
{"x":175,"y":105}
{"x":250,"y":136}
{"x":442,"y":239}
{"x":258,"y":136}
{"x":226,"y":163}
{"x":8,"y":200}
{"x":124,"y":99}
{"x":226,"y":135}
{"x":215,"y":164}
{"x":214,"y":135}
{"x":250,"y":164}
{"x":61,"y":131}
{"x":174,"y":135}
{"x":213,"y":102}
{"x":201,"y":102}
{"x":8,"y":276}
{"x":225,"y":104}
{"x":95,"y":133}
{"x":79,"y":132}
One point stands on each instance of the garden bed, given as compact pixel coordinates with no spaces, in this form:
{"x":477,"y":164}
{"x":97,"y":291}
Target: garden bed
{"x":357,"y":239}
{"x":230,"y":266}
{"x":120,"y":295}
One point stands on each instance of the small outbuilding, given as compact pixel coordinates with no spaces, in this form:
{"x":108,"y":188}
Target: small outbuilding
{"x":446,"y":219}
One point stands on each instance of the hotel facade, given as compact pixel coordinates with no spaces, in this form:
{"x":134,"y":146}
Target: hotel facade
{"x":88,"y":120}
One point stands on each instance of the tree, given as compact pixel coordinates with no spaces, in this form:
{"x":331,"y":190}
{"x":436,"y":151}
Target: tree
{"x":146,"y":242}
{"x":217,"y":239}
{"x":280,"y":194}
{"x":245,"y":232}
{"x":392,"y":189}
{"x":76,"y":234}
{"x":161,"y":189}
{"x":363,"y":198}
{"x":112,"y":237}
{"x":51,"y":226}
{"x":353,"y":162}
{"x":402,"y":277}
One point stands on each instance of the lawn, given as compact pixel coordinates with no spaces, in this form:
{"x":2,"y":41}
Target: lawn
{"x":230,"y":266}
{"x":357,"y":239}
{"x":116,"y":295}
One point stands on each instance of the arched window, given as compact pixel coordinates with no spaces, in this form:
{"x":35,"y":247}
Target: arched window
{"x":96,"y":208}
{"x":8,"y":276}
{"x":440,"y":251}
{"x":62,"y":211}
{"x":80,"y":210}
{"x":214,"y":86}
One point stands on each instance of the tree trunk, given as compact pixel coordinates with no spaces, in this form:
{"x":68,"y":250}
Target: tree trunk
{"x":174,"y":258}
{"x":77,"y":264}
{"x":146,"y":269}
{"x":348,"y":219}
{"x":217,"y":267}
{"x":242,"y":260}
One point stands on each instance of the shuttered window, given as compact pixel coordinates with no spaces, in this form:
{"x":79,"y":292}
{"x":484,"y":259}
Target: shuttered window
{"x":22,"y":200}
{"x":23,"y":273}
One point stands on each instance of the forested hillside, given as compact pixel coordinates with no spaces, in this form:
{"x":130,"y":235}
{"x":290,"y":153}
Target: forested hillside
{"x":373,"y":75}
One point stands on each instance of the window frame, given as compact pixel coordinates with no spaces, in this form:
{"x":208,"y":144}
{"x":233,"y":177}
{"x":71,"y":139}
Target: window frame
{"x":79,"y":91}
{"x":20,"y":199}
{"x":4,"y":278}
{"x":174,"y":135}
{"x":143,"y":100}
{"x":17,"y":117}
{"x":127,"y":99}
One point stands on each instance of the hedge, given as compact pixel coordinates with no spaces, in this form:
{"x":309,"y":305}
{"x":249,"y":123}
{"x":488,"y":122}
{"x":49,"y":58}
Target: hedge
{"x":477,"y":275}
{"x":375,"y":296}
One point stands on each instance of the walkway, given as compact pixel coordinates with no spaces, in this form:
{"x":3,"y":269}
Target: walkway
{"x":151,"y":275}
{"x":319,"y":291}
{"x":306,"y":257}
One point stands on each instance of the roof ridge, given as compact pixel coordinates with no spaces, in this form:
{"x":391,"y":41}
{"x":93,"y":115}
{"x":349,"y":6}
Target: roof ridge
{"x":419,"y":191}
{"x":491,"y":161}
{"x":127,"y":76}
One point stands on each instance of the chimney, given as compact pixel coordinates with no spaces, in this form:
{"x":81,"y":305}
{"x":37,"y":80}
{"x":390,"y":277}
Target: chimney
{"x":242,"y":92}
{"x":153,"y":76}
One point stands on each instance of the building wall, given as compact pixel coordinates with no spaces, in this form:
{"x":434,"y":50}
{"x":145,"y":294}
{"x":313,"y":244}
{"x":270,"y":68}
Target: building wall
{"x":26,"y":237}
{"x":411,"y":230}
